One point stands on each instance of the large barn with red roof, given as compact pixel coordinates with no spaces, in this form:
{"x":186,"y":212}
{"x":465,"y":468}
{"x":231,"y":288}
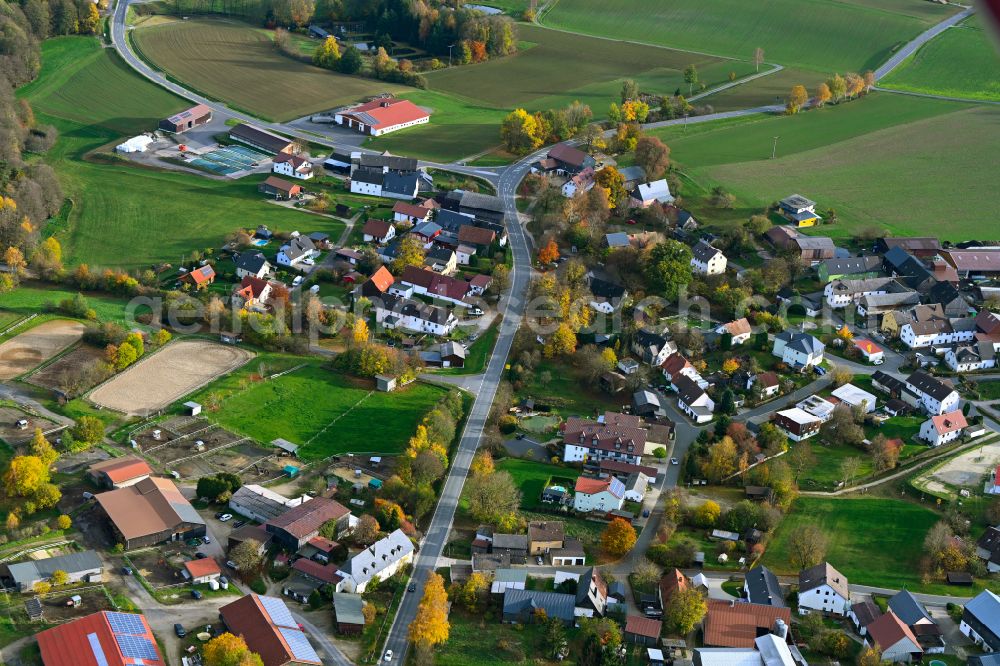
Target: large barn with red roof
{"x":381,"y":116}
{"x":102,"y":639}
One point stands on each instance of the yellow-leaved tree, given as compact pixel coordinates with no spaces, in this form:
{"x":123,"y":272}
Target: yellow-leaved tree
{"x":229,"y":650}
{"x":430,"y":627}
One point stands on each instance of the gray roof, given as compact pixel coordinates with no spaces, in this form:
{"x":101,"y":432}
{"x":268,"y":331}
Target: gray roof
{"x":555,"y":604}
{"x":803,"y":342}
{"x":852,"y":265}
{"x":985,"y":607}
{"x":824,"y":574}
{"x":259,"y":504}
{"x":797,"y":201}
{"x":932,"y":386}
{"x":27,"y":573}
{"x":511,"y":541}
{"x":763,"y":588}
{"x":907,"y":608}
{"x":347,"y":608}
{"x":704,"y":252}
{"x":481,"y":201}
{"x":250,"y":261}
{"x":400,"y":183}
{"x":645,"y":397}
{"x":391,"y":161}
{"x":617,"y":239}
{"x":511,"y":575}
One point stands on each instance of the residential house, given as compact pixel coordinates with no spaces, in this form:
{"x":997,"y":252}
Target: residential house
{"x":641,"y":630}
{"x":652,"y":348}
{"x":578,"y":183}
{"x":379,"y":561}
{"x":981,"y":621}
{"x":261,"y":139}
{"x":943,"y":428}
{"x":521,"y":606}
{"x":971,"y":357}
{"x":919,"y":246}
{"x":817,"y":406}
{"x":545,"y":536}
{"x":377,"y":286}
{"x":308,"y":576}
{"x":252,"y":293}
{"x":853,"y":268}
{"x":672,"y":581}
{"x":480,"y":237}
{"x":935,"y":396}
{"x":618,"y":437}
{"x":707,"y":260}
{"x":410,"y":214}
{"x":872,"y":307}
{"x":391,"y":184}
{"x":201,"y":571}
{"x":598,"y":494}
{"x":760,"y":586}
{"x":295,"y":527}
{"x":912,"y":613}
{"x":842,"y":293}
{"x":83,"y":567}
{"x":410,"y":315}
{"x":863,"y":614}
{"x":426,"y":232}
{"x":797,"y":423}
{"x":591,"y":594}
{"x":799,"y":210}
{"x":988,"y":545}
{"x":262,"y":504}
{"x":636,"y":486}
{"x":149,"y":512}
{"x":105,"y":638}
{"x":869,"y":350}
{"x":348,"y":613}
{"x":570,"y":160}
{"x":570,"y":555}
{"x":738,"y":625}
{"x":253,"y":264}
{"x":512,"y":546}
{"x":293,"y":166}
{"x":617,"y":240}
{"x":738,"y":330}
{"x":853,"y":396}
{"x":893,"y":639}
{"x":797,"y":349}
{"x":606,"y":296}
{"x":320,"y":549}
{"x":269,"y":629}
{"x":647,"y":194}
{"x":297,"y":252}
{"x":119,"y":472}
{"x":199,"y":278}
{"x":937,"y":332}
{"x":442,"y":260}
{"x":767,"y":384}
{"x":378,"y":231}
{"x":382,"y":116}
{"x":949,"y":298}
{"x":693,"y":400}
{"x":824,"y":589}
{"x":508,"y":579}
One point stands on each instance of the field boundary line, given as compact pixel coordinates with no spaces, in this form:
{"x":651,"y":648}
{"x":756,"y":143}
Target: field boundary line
{"x":19,"y":322}
{"x":340,"y":416}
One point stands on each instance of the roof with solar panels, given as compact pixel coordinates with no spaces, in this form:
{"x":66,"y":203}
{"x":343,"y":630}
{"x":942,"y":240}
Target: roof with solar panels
{"x":101,"y":639}
{"x":269,"y":629}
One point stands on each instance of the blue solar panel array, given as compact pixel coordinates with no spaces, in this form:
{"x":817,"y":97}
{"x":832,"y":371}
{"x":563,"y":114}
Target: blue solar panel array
{"x":137,"y":647}
{"x":301,"y":648}
{"x":126,"y":623}
{"x":278,"y":612}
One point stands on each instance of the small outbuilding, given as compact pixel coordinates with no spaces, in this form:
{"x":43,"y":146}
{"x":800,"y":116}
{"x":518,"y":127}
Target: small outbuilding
{"x":385,"y":383}
{"x":193,"y":408}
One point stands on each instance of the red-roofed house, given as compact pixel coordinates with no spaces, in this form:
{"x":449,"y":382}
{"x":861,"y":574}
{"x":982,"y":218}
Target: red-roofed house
{"x":739,"y":330}
{"x":378,"y":284}
{"x":407,"y":213}
{"x":944,"y":428}
{"x":119,"y":472}
{"x":641,"y":630}
{"x":383,"y":115}
{"x":102,"y":639}
{"x":269,"y":629}
{"x":202,"y":571}
{"x":200,"y":277}
{"x":379,"y":231}
{"x":598,"y":494}
{"x":737,"y":625}
{"x":871,"y":351}
{"x":479,"y":284}
{"x":894,"y":639}
{"x":252,"y":292}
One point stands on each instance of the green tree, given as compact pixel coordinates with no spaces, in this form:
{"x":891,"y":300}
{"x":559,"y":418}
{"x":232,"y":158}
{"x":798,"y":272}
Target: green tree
{"x":350,"y":61}
{"x":327,"y":54}
{"x":667,"y":266}
{"x":838,"y":87}
{"x":88,"y":429}
{"x":691,"y":77}
{"x":653,"y":156}
{"x":630,"y":90}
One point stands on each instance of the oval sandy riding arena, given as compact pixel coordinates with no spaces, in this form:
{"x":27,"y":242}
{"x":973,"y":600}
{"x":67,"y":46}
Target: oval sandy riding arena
{"x":26,"y":350}
{"x":158,"y":380}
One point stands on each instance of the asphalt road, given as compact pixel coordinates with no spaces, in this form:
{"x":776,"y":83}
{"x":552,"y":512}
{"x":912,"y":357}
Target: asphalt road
{"x":911,"y":47}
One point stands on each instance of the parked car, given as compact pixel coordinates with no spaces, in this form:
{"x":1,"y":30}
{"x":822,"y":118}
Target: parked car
{"x":297,"y":281}
{"x":126,"y":571}
{"x":675,"y":461}
{"x":388,"y":656}
{"x":819,"y":370}
{"x":645,"y":513}
{"x":475,"y":312}
{"x":231,"y":565}
{"x":197,"y":594}
{"x":412,"y":587}
{"x":238,"y":524}
{"x":179,"y":630}
{"x":219,"y":514}
{"x":200,"y":555}
{"x":539,"y":561}
{"x":206,"y":539}
{"x":225,"y":517}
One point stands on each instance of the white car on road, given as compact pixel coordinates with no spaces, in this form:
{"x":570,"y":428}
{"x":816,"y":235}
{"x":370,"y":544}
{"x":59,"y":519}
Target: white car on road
{"x":388,"y":656}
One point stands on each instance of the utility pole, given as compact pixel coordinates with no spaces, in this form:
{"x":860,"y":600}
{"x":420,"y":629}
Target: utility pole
{"x":774,"y":148}
{"x":450,"y":47}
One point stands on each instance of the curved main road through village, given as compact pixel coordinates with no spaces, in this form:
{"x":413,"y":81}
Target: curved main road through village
{"x":512,"y":307}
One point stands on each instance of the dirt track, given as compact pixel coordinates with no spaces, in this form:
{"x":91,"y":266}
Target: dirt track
{"x":26,"y":350}
{"x":173,"y":372}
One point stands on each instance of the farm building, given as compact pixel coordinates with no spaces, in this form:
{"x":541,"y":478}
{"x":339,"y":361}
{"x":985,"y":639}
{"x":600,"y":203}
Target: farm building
{"x":799,"y":210}
{"x":101,"y":639}
{"x":280,"y":189}
{"x":187,"y":119}
{"x":261,"y":139}
{"x":80,"y":567}
{"x":119,"y":472}
{"x":347,"y":612}
{"x":293,"y":528}
{"x":201,"y":571}
{"x":261,"y":504}
{"x":381,"y":116}
{"x":137,"y":144}
{"x":150,"y":512}
{"x":269,"y":629}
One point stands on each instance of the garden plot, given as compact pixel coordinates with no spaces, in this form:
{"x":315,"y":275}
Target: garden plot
{"x":26,"y":350}
{"x":162,"y":378}
{"x":253,"y":463}
{"x":10,"y":433}
{"x":966,"y":471}
{"x":93,"y":599}
{"x":202,"y":442}
{"x":72,"y":374}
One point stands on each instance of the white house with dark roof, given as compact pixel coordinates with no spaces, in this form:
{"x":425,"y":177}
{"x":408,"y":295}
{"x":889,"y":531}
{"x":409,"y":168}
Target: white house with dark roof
{"x":822,"y":588}
{"x":761,"y":586}
{"x":297,"y":252}
{"x":693,"y":400}
{"x":254,"y":264}
{"x":931,"y":394}
{"x":380,"y":560}
{"x":797,"y":349}
{"x":707,"y":260}
{"x":971,"y":357}
{"x":981,"y":621}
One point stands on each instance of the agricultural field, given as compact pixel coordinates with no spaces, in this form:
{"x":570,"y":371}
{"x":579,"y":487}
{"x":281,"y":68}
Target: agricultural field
{"x":860,"y":546}
{"x":167,"y":375}
{"x":326,"y":413}
{"x":29,"y":298}
{"x":961,"y":62}
{"x":232,"y":61}
{"x":35,"y":345}
{"x":149,"y":216}
{"x":825,"y":36}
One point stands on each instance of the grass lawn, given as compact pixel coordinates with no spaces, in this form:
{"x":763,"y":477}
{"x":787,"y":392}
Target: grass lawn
{"x":565,"y":393}
{"x":531,"y":477}
{"x":872,"y":541}
{"x":901,"y":427}
{"x":873,"y":179}
{"x":123,"y":215}
{"x":477,"y":639}
{"x":30,"y":298}
{"x":825,"y":474}
{"x":822,"y":34}
{"x":960,"y":62}
{"x":326,"y":412}
{"x":238,"y":64}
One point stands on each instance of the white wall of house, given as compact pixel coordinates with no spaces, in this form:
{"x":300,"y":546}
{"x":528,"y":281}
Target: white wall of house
{"x":824,"y":599}
{"x":373,"y":189}
{"x":930,"y":434}
{"x":974,"y":637}
{"x":714,"y":266}
{"x":602,"y":501}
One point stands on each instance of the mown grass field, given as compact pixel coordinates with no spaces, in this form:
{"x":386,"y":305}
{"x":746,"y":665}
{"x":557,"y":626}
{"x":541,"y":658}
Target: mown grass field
{"x":238,"y":64}
{"x":123,"y":215}
{"x":961,"y":62}
{"x":933,"y":176}
{"x":531,"y":476}
{"x":327,"y":413}
{"x":861,"y":545}
{"x":815,"y":34}
{"x":30,"y":299}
